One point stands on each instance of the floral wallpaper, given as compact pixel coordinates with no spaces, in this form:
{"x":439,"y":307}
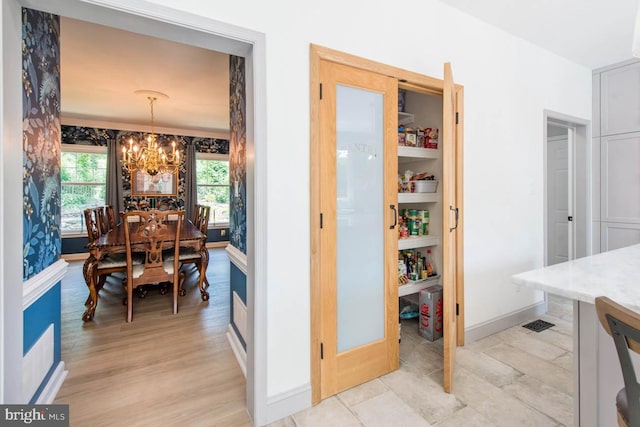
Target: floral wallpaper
{"x":94,"y":136}
{"x":237,"y":155}
{"x":41,"y":140}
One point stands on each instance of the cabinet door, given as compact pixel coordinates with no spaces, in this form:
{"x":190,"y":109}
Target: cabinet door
{"x":358,"y":242}
{"x":450,"y":219}
{"x":617,"y":235}
{"x":620,"y":178}
{"x":620,"y":100}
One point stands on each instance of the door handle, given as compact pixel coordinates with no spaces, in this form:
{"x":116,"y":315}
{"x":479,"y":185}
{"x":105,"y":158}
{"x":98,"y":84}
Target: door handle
{"x":395,"y":216}
{"x":456,"y":213}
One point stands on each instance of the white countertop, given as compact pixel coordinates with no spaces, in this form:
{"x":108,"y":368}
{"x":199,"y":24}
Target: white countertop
{"x":615,"y":274}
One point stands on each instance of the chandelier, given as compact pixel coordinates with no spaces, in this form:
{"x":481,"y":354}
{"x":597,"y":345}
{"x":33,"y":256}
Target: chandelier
{"x":150,"y":157}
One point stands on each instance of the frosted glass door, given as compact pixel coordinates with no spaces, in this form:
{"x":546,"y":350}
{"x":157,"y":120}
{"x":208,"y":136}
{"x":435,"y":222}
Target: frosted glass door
{"x":359,"y":201}
{"x":357,"y":241}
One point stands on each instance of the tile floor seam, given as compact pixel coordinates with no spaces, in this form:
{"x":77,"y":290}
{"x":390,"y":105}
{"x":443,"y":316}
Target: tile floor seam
{"x":463,"y":412}
{"x":525,"y":403}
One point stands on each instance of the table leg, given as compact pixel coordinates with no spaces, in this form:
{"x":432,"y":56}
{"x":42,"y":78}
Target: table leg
{"x":203,"y":282}
{"x":88,"y":270}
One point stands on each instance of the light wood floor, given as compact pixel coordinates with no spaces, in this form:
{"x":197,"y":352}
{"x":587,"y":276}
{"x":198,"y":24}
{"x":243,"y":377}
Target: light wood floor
{"x":164,"y":370}
{"x":159,"y":370}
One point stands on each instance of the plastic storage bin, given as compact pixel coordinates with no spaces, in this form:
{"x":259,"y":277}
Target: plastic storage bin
{"x":425,"y":186}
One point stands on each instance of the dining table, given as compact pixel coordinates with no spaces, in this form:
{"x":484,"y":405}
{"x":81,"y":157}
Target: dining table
{"x":113,"y":242}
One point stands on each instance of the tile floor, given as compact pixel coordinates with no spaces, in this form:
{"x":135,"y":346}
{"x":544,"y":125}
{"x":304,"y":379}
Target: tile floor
{"x":516,"y":377}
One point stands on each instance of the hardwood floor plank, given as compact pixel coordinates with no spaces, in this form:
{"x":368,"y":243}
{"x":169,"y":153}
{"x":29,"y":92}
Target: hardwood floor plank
{"x":161,"y":369}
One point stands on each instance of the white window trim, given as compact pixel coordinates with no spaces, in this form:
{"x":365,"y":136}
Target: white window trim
{"x":214,"y":156}
{"x":79,"y":148}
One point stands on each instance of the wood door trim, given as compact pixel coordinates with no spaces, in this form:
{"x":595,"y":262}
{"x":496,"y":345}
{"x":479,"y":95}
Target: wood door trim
{"x":459,"y":159}
{"x":314,"y":223}
{"x":406,"y":79}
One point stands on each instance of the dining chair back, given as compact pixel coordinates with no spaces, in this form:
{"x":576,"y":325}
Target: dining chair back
{"x":201,"y":218}
{"x":624,"y":327}
{"x":151,"y":235}
{"x":90,"y":221}
{"x":101,"y":219}
{"x":111,"y":216}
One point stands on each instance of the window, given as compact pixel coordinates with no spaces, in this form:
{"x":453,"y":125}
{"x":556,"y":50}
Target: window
{"x":84,"y":183}
{"x":212,"y":172}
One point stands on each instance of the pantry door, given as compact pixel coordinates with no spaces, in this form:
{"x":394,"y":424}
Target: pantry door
{"x":451,"y":216}
{"x":358,"y":240}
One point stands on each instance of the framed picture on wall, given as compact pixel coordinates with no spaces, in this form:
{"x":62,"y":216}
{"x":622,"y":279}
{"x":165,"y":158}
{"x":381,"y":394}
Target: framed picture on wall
{"x":162,"y":184}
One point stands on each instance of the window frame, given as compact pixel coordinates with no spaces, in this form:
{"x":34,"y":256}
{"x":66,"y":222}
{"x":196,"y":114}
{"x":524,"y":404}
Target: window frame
{"x":82,"y":149}
{"x":214,"y":156}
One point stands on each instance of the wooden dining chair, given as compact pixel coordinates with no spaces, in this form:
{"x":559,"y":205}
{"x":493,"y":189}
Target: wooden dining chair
{"x":201,"y":217}
{"x":624,"y":327}
{"x":91,"y":223}
{"x":111,"y":216}
{"x":151,"y":235}
{"x":101,"y":219}
{"x":109,"y":264}
{"x":192,"y":256}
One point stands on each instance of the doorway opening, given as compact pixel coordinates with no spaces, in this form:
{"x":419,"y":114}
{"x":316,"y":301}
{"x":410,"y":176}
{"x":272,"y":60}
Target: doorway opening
{"x":567,"y":188}
{"x":567,"y":177}
{"x":188,"y":29}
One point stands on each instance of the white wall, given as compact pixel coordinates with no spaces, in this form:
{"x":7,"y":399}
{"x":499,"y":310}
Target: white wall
{"x":508,"y":83}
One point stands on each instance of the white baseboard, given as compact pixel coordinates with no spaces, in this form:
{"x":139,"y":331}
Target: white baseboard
{"x":288,"y":403}
{"x":238,"y":350}
{"x":52,"y":388}
{"x":504,"y":322}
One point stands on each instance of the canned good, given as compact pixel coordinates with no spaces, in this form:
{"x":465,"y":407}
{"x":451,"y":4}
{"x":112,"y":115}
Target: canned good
{"x":424,"y":217}
{"x":415,"y":227}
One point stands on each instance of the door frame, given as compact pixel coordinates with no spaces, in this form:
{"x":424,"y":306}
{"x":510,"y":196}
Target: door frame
{"x":568,"y":137}
{"x":581,"y":193}
{"x":158,"y":21}
{"x":409,"y":79}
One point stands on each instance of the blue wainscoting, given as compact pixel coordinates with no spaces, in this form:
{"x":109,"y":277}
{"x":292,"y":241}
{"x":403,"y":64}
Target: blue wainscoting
{"x":238,"y":282}
{"x":42,"y":313}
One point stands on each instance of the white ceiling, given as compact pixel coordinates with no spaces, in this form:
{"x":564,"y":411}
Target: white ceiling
{"x":593,"y":33}
{"x":101,"y":68}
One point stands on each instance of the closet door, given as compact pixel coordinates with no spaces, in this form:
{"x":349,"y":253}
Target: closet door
{"x":450,"y":217}
{"x":358,"y":243}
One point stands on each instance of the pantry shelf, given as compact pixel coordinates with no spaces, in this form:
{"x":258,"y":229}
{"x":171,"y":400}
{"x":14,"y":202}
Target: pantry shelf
{"x":418,"y":242}
{"x":418,"y":197}
{"x":418,"y":153}
{"x":412,"y":287}
{"x":405,"y":118}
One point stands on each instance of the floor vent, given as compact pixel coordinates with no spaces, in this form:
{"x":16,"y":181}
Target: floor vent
{"x":538,"y":325}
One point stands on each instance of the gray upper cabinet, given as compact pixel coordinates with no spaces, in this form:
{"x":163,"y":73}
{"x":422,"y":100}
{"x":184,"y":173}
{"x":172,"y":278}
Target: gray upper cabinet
{"x":620,"y":180}
{"x":620,"y":100}
{"x":616,"y":155}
